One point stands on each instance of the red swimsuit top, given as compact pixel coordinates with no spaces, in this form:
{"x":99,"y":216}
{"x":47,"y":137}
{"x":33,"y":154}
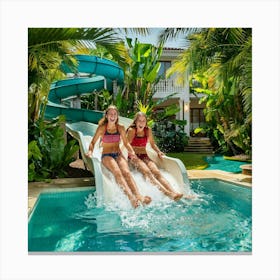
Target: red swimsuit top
{"x":140,"y":141}
{"x":111,"y":137}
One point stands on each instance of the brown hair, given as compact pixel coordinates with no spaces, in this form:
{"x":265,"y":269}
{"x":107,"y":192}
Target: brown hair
{"x":104,"y":120}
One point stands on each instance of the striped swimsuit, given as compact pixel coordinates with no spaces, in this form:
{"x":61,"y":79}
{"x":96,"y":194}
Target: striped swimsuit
{"x":111,"y":138}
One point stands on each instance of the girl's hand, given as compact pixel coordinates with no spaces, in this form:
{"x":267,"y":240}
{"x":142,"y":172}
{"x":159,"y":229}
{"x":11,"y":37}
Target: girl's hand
{"x":89,"y":154}
{"x":132,"y":155}
{"x":160,"y":154}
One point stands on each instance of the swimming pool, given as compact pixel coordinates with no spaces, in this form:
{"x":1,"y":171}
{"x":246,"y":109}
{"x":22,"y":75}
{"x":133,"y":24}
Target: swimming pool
{"x":218,"y":162}
{"x":218,"y":220}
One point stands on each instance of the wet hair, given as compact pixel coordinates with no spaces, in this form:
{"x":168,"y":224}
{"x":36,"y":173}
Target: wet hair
{"x":104,"y":120}
{"x":137,"y":115}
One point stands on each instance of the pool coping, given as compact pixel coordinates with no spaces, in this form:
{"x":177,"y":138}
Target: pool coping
{"x":236,"y":178}
{"x":56,"y":185}
{"x":73,"y":184}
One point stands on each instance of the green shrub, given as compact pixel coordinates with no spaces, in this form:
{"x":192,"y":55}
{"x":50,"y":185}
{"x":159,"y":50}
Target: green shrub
{"x":170,"y":135}
{"x":48,"y":152}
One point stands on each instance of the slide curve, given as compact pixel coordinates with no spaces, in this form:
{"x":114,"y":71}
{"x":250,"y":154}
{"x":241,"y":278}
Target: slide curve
{"x":82,"y":124}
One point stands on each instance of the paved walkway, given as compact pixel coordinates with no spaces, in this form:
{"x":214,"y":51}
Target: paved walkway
{"x":238,"y":178}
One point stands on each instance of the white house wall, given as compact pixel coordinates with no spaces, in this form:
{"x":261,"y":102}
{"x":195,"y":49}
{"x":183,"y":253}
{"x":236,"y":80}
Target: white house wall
{"x":169,"y":86}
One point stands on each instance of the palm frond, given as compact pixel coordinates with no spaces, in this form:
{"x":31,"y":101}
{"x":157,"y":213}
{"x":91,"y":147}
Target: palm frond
{"x":49,"y":36}
{"x":136,"y":30}
{"x":171,"y":33}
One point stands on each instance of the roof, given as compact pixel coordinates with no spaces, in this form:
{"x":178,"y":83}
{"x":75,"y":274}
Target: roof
{"x":171,"y":49}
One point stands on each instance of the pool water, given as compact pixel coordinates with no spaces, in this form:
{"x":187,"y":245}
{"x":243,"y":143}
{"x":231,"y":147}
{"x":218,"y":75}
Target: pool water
{"x":218,"y":162}
{"x":217,"y":220}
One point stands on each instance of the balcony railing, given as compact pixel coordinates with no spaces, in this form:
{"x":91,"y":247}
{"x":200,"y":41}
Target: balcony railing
{"x":167,"y":87}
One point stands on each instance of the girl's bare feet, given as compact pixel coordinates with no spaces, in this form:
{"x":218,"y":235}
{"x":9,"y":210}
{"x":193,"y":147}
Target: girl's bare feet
{"x":177,"y":196}
{"x":135,"y":202}
{"x":173,"y":195}
{"x":147,"y":199}
{"x":189,"y":196}
{"x":144,"y":199}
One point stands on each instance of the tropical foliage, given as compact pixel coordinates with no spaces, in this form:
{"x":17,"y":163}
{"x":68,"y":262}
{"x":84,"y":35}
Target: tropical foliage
{"x":141,"y":78}
{"x":48,"y":152}
{"x":219,"y":61}
{"x":170,"y":134}
{"x":48,"y":155}
{"x":48,"y":47}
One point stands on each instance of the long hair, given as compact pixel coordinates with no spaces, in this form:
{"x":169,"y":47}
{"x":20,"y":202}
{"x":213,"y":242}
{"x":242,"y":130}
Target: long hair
{"x":137,"y":115}
{"x":104,"y":120}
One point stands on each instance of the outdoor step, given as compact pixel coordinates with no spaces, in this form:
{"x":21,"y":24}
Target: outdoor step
{"x":199,"y":138}
{"x":199,"y":145}
{"x":200,"y":152}
{"x":197,"y":150}
{"x":199,"y":142}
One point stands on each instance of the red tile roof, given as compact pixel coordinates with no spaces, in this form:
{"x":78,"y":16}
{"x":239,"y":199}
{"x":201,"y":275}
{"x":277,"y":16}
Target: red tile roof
{"x":170,"y":49}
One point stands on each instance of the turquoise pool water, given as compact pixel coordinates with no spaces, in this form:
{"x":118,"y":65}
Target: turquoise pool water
{"x":218,"y":220}
{"x":218,"y":162}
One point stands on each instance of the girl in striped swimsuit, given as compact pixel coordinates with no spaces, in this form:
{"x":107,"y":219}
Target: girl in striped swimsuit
{"x":138,"y":135}
{"x":111,"y":132}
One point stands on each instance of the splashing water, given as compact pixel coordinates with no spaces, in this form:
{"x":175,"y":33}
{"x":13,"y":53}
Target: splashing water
{"x":114,"y":198}
{"x":156,"y":219}
{"x":218,"y":219}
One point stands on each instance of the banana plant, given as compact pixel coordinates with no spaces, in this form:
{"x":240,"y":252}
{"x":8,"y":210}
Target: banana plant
{"x":141,"y":72}
{"x":221,"y":60}
{"x":48,"y":154}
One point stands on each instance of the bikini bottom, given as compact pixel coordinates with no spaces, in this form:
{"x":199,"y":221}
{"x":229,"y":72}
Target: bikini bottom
{"x":142,"y":157}
{"x":113,"y":155}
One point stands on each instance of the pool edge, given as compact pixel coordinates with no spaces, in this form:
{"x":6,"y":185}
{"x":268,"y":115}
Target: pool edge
{"x":73,"y":184}
{"x":56,"y":185}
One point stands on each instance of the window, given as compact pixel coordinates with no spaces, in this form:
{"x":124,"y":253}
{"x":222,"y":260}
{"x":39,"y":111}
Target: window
{"x":197,"y":117}
{"x":163,"y":68}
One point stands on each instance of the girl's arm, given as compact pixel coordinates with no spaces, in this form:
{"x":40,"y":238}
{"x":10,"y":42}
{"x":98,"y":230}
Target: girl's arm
{"x":153,"y":144}
{"x":130,"y":134}
{"x":126,"y":141}
{"x":98,"y":134}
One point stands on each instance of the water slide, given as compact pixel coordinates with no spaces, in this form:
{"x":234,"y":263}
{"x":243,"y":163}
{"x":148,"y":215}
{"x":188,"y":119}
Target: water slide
{"x":82,"y":124}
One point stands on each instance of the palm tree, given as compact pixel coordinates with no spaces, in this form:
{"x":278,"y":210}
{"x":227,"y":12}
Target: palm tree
{"x":48,"y":154}
{"x":221,"y":60}
{"x":48,"y":47}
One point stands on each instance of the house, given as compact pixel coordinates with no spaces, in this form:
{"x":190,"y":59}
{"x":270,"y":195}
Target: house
{"x":190,"y":109}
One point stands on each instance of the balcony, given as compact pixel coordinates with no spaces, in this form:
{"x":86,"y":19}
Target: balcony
{"x":167,"y":87}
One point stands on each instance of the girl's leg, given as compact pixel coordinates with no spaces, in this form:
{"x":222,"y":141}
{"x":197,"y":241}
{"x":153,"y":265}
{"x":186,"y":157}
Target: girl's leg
{"x":112,"y":165}
{"x":155,"y":171}
{"x":123,"y":165}
{"x":144,"y":169}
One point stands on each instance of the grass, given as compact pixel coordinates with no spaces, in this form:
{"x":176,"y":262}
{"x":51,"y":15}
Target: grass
{"x":191,"y":160}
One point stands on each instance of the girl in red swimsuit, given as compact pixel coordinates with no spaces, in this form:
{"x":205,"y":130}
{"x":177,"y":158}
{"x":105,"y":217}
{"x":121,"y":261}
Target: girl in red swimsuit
{"x":138,"y":135}
{"x":111,"y":132}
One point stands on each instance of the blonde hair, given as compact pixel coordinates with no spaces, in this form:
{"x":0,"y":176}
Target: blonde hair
{"x":104,"y":120}
{"x":136,"y":116}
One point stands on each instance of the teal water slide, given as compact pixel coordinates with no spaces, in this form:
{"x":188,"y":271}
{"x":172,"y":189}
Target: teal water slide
{"x":101,"y":73}
{"x":94,"y":74}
